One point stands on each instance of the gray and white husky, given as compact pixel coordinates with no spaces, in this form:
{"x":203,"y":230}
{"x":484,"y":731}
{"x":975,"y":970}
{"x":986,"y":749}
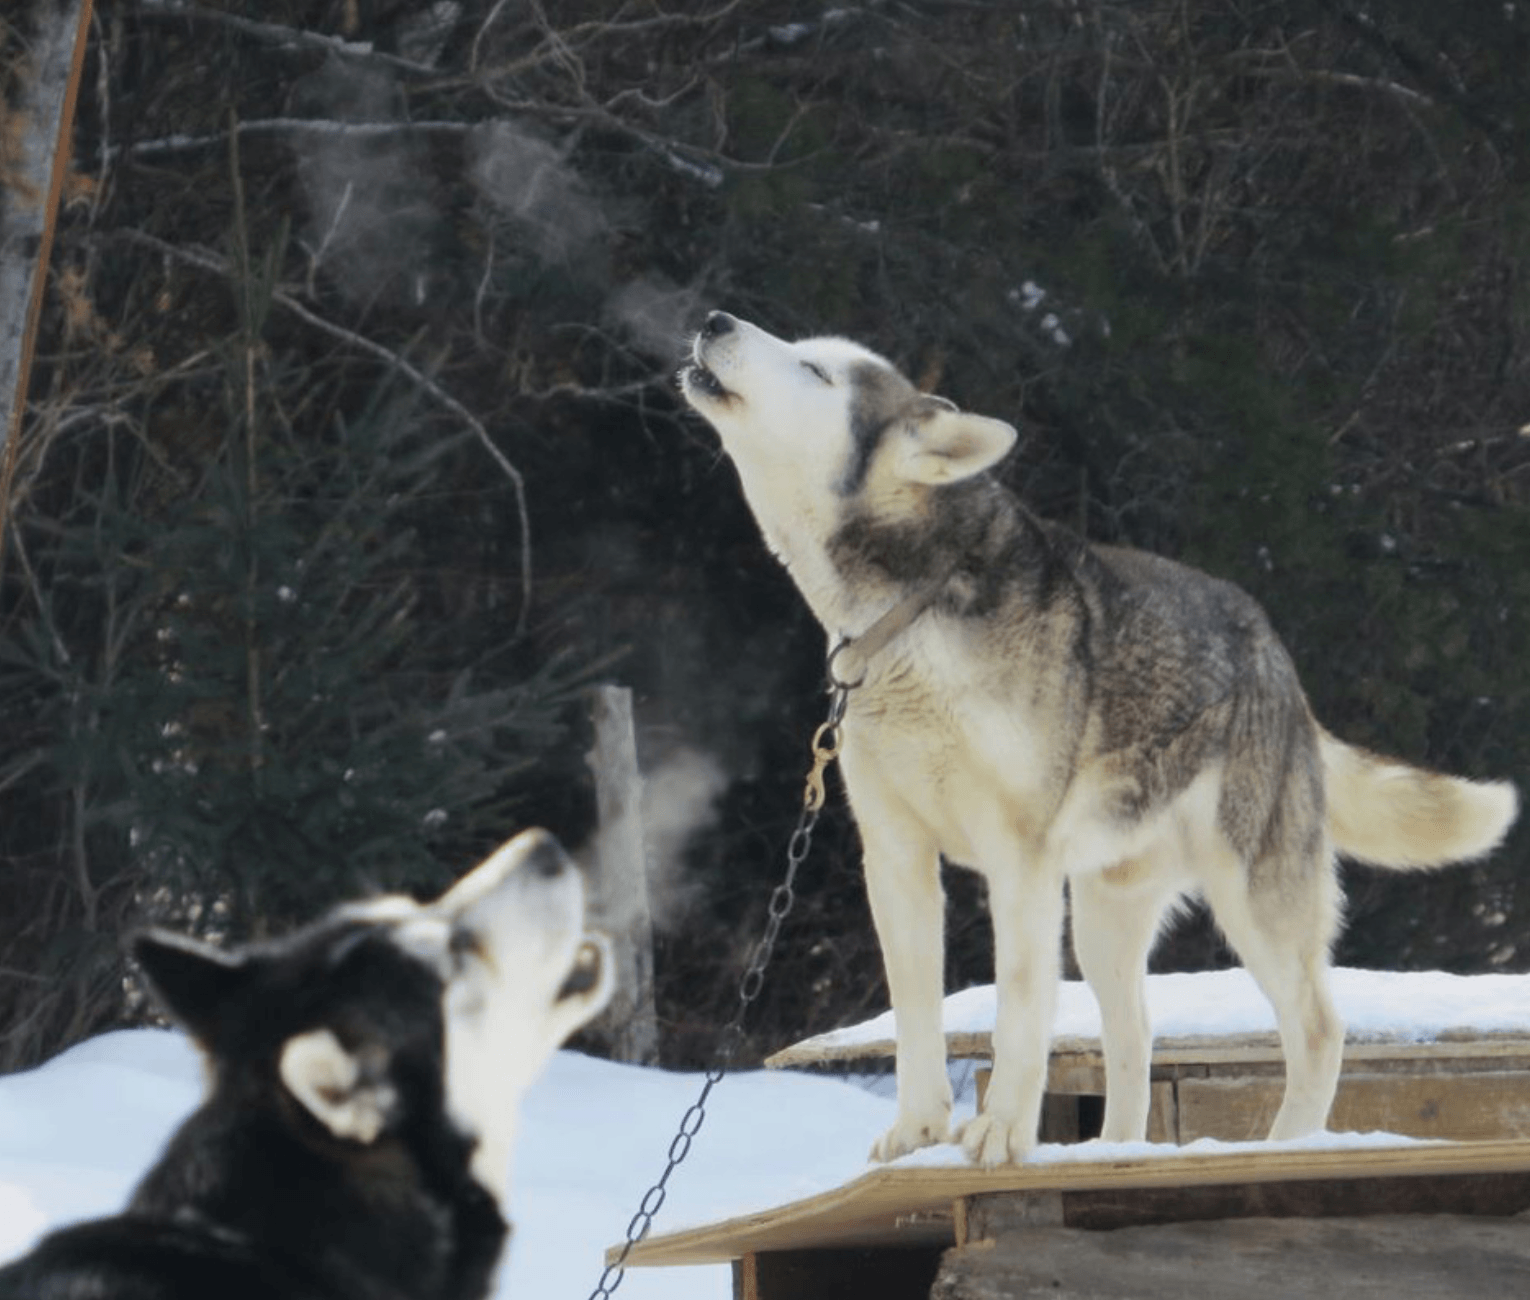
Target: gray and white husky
{"x":1048,"y":711}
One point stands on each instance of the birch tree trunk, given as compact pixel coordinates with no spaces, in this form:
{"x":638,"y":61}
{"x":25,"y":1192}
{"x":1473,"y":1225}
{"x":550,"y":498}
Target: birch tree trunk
{"x":38,"y":121}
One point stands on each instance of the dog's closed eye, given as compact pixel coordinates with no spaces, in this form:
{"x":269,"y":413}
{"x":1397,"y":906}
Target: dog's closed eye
{"x":818,"y":371}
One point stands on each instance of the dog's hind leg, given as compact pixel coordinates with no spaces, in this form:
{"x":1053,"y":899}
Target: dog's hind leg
{"x":1282,"y":924}
{"x":1116,"y":917}
{"x":1027,"y":910}
{"x":908,"y":907}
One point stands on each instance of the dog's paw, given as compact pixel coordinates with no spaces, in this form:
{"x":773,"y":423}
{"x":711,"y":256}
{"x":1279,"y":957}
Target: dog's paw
{"x":909,"y":1134}
{"x":990,"y":1141}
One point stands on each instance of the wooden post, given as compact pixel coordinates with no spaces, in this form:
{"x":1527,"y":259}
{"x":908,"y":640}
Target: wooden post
{"x":620,"y":879}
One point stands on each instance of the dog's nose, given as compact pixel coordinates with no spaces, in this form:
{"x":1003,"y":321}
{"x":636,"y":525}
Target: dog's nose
{"x":718,"y":323}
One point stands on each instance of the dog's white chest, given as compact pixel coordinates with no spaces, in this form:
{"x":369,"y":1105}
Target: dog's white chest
{"x":951,"y":752}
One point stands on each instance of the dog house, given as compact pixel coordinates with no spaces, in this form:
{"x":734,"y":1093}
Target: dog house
{"x":1426,"y":1055}
{"x":1423,"y":1190}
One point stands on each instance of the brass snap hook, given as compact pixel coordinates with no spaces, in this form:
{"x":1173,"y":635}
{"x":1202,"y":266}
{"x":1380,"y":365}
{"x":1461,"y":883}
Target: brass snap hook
{"x":825,"y":751}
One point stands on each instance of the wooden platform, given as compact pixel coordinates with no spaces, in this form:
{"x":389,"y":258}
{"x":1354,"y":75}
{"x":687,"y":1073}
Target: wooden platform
{"x":1461,"y":1086}
{"x":957,"y":1233}
{"x":1346,"y":1218}
{"x":909,"y":1205}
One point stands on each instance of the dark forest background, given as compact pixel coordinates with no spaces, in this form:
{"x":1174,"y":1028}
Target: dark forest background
{"x":352,"y":455}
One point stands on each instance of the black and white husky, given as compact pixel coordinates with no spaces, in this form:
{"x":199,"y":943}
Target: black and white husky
{"x":1051,"y":710}
{"x":364,"y":1081}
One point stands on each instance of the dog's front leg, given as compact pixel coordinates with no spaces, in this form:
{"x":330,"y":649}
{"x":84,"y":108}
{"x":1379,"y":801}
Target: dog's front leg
{"x":1116,"y":914}
{"x":908,"y":907}
{"x":1026,"y":906}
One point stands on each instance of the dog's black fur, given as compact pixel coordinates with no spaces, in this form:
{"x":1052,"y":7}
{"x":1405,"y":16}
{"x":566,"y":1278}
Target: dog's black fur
{"x":253,"y":1199}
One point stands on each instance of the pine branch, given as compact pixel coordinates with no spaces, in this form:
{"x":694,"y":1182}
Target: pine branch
{"x":218,"y":266}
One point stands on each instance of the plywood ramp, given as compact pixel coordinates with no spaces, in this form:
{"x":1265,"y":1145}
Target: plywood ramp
{"x":917,"y":1205}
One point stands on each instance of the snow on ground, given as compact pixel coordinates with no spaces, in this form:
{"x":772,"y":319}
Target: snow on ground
{"x":76,"y":1134}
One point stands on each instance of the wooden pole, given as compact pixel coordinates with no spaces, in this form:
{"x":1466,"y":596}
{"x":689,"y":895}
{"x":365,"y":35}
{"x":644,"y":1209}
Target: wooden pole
{"x":628,"y":1026}
{"x":42,"y":118}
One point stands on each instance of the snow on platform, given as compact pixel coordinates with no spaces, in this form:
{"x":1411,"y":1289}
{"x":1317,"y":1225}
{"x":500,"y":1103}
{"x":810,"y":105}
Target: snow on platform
{"x":1377,"y":1006}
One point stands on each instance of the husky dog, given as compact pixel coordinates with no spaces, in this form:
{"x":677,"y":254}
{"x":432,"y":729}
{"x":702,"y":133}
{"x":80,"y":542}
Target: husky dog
{"x":1047,"y":710}
{"x":364,"y":1080}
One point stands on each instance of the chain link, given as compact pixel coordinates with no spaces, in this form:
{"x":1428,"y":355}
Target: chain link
{"x":825,"y":746}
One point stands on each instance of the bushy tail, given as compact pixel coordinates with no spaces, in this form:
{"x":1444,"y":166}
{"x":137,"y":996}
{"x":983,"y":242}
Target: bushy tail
{"x":1388,"y":814}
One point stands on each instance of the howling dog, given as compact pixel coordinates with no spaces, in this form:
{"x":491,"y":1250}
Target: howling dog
{"x":364,"y":1081}
{"x":1045,"y":710}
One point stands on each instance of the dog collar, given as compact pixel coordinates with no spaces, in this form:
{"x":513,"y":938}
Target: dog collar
{"x":890,"y":625}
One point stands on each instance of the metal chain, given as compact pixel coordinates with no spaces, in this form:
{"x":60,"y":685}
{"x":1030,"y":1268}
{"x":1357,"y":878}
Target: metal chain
{"x":825,"y":747}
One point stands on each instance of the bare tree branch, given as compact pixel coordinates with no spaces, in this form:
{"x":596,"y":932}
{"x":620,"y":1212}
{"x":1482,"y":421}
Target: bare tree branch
{"x":279,"y":125}
{"x":279,"y":35}
{"x":703,"y":165}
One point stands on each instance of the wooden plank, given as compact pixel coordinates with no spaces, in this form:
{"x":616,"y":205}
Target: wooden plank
{"x":1076,"y":1073}
{"x":904,"y":1204}
{"x":1498,"y":1195}
{"x":992,"y":1215}
{"x":836,"y":1274}
{"x":1402,"y":1257}
{"x":996,"y":1214}
{"x":1197,"y":1049}
{"x":1454,"y":1107}
{"x":1163,"y":1114}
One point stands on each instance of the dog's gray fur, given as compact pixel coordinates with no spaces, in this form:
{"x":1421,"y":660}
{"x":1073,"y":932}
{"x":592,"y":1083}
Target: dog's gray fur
{"x":1059,"y":711}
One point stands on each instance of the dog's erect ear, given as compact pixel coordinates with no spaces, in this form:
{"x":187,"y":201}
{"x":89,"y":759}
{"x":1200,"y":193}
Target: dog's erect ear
{"x":944,"y":445}
{"x":347,"y":1092}
{"x":589,"y":987}
{"x":191,"y":980}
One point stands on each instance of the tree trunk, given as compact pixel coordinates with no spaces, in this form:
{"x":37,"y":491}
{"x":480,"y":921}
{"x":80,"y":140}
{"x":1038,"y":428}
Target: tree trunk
{"x":38,"y":120}
{"x":628,"y":1025}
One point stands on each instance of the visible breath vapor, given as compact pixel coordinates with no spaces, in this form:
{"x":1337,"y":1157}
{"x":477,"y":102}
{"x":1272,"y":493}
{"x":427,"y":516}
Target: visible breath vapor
{"x":655,"y":314}
{"x":528,"y":180}
{"x":376,"y":224}
{"x":679,"y":800}
{"x":372,"y":222}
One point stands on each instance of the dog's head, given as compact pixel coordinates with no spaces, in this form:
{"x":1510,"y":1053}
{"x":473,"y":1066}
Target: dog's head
{"x":389,"y":1017}
{"x":826,"y":414}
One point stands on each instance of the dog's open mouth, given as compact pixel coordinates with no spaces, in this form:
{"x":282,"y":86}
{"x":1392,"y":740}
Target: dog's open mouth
{"x":696,"y":378}
{"x":584,"y":975}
